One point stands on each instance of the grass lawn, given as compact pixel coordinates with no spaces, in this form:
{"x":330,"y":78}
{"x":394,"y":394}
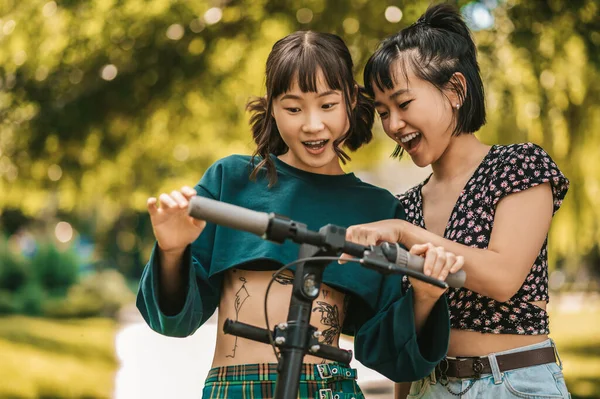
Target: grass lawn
{"x":42,"y":358}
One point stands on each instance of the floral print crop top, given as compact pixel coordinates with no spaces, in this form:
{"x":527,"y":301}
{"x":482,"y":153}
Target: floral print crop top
{"x":504,"y":170}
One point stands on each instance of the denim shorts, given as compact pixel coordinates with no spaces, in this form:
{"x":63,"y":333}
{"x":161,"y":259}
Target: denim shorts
{"x":544,"y":381}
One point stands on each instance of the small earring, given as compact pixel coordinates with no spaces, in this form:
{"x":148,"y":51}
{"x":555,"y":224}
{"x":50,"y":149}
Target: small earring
{"x":457,"y":106}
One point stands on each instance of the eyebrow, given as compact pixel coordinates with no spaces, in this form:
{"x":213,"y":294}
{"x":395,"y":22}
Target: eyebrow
{"x":295,"y":97}
{"x":393,"y":96}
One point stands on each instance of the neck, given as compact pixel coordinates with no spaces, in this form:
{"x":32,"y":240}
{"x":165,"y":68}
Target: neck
{"x":332,"y":168}
{"x":462,"y":155}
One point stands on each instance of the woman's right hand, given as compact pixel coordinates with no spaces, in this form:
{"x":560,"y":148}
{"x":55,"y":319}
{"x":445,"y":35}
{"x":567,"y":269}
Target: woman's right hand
{"x":438,"y":264}
{"x":173,"y":228}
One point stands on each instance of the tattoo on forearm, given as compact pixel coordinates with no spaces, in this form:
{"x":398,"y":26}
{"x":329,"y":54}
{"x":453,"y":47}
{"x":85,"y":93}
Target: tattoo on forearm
{"x":240,"y":297}
{"x":330,"y":317}
{"x":285,"y":278}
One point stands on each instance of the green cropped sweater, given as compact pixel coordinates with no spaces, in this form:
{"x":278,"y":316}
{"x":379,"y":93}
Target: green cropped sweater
{"x":380,"y":316}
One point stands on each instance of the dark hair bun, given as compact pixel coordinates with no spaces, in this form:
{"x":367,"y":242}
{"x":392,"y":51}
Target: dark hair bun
{"x":445,"y":17}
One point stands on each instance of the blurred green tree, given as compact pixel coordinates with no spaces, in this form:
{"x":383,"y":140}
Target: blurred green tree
{"x":104,"y":103}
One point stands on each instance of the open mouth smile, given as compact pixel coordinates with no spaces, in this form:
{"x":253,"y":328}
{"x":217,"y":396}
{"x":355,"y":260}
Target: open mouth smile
{"x":409,"y":141}
{"x":315,"y":146}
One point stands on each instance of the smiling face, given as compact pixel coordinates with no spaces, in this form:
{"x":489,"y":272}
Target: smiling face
{"x":417,"y":116}
{"x":309,"y":123}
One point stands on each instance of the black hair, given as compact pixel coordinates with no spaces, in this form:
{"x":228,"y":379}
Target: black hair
{"x":299,"y":57}
{"x":435,"y":47}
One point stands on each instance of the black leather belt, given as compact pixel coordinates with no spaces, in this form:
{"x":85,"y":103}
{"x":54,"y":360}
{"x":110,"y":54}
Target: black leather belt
{"x":473,"y":367}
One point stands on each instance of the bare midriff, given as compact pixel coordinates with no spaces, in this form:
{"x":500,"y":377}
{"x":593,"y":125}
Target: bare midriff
{"x":472,"y":343}
{"x":242,"y":299}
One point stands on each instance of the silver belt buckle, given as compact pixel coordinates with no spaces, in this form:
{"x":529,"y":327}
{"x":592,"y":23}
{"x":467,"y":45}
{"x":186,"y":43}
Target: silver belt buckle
{"x":324,"y":371}
{"x":325,"y":394}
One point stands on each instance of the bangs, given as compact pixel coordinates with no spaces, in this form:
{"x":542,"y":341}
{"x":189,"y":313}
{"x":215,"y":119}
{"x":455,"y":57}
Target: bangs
{"x":382,"y":68}
{"x":302,"y":65}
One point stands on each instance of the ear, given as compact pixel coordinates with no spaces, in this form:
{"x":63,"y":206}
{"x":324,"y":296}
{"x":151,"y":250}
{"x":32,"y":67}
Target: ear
{"x":266,"y":106}
{"x":457,"y":89}
{"x":354,"y":97}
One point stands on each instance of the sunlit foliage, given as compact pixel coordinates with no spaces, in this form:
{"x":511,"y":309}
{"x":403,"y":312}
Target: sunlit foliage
{"x":104,"y":103}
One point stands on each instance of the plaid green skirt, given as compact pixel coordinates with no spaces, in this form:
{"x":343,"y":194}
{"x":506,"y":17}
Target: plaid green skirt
{"x":257,"y":381}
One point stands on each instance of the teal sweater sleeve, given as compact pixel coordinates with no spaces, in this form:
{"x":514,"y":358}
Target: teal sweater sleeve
{"x":202,"y":291}
{"x":388,"y":341}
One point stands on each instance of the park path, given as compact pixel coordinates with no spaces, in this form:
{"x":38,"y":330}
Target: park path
{"x":153,"y":366}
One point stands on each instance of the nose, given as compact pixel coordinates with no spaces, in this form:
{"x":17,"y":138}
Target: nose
{"x":396,"y":123}
{"x":313,"y":123}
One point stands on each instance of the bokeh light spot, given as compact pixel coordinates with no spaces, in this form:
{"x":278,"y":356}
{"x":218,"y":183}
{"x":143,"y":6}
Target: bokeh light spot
{"x":393,"y":14}
{"x":532,"y":110}
{"x":49,"y":9}
{"x":20,"y":57}
{"x":304,"y":15}
{"x":54,"y":172}
{"x":547,"y":79}
{"x":109,"y":72}
{"x":175,"y":32}
{"x":478,"y":16}
{"x":196,"y":46}
{"x":197,"y":25}
{"x":9,"y":27}
{"x":76,"y":76}
{"x":41,"y":73}
{"x":181,"y":152}
{"x":351,"y":25}
{"x":63,"y":232}
{"x":213,"y":15}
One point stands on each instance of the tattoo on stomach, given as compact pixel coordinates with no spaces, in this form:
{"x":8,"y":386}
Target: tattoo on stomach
{"x":284,"y":278}
{"x":330,"y":317}
{"x":240,"y":297}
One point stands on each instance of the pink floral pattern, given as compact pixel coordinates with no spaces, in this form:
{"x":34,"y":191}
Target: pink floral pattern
{"x":504,"y":170}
